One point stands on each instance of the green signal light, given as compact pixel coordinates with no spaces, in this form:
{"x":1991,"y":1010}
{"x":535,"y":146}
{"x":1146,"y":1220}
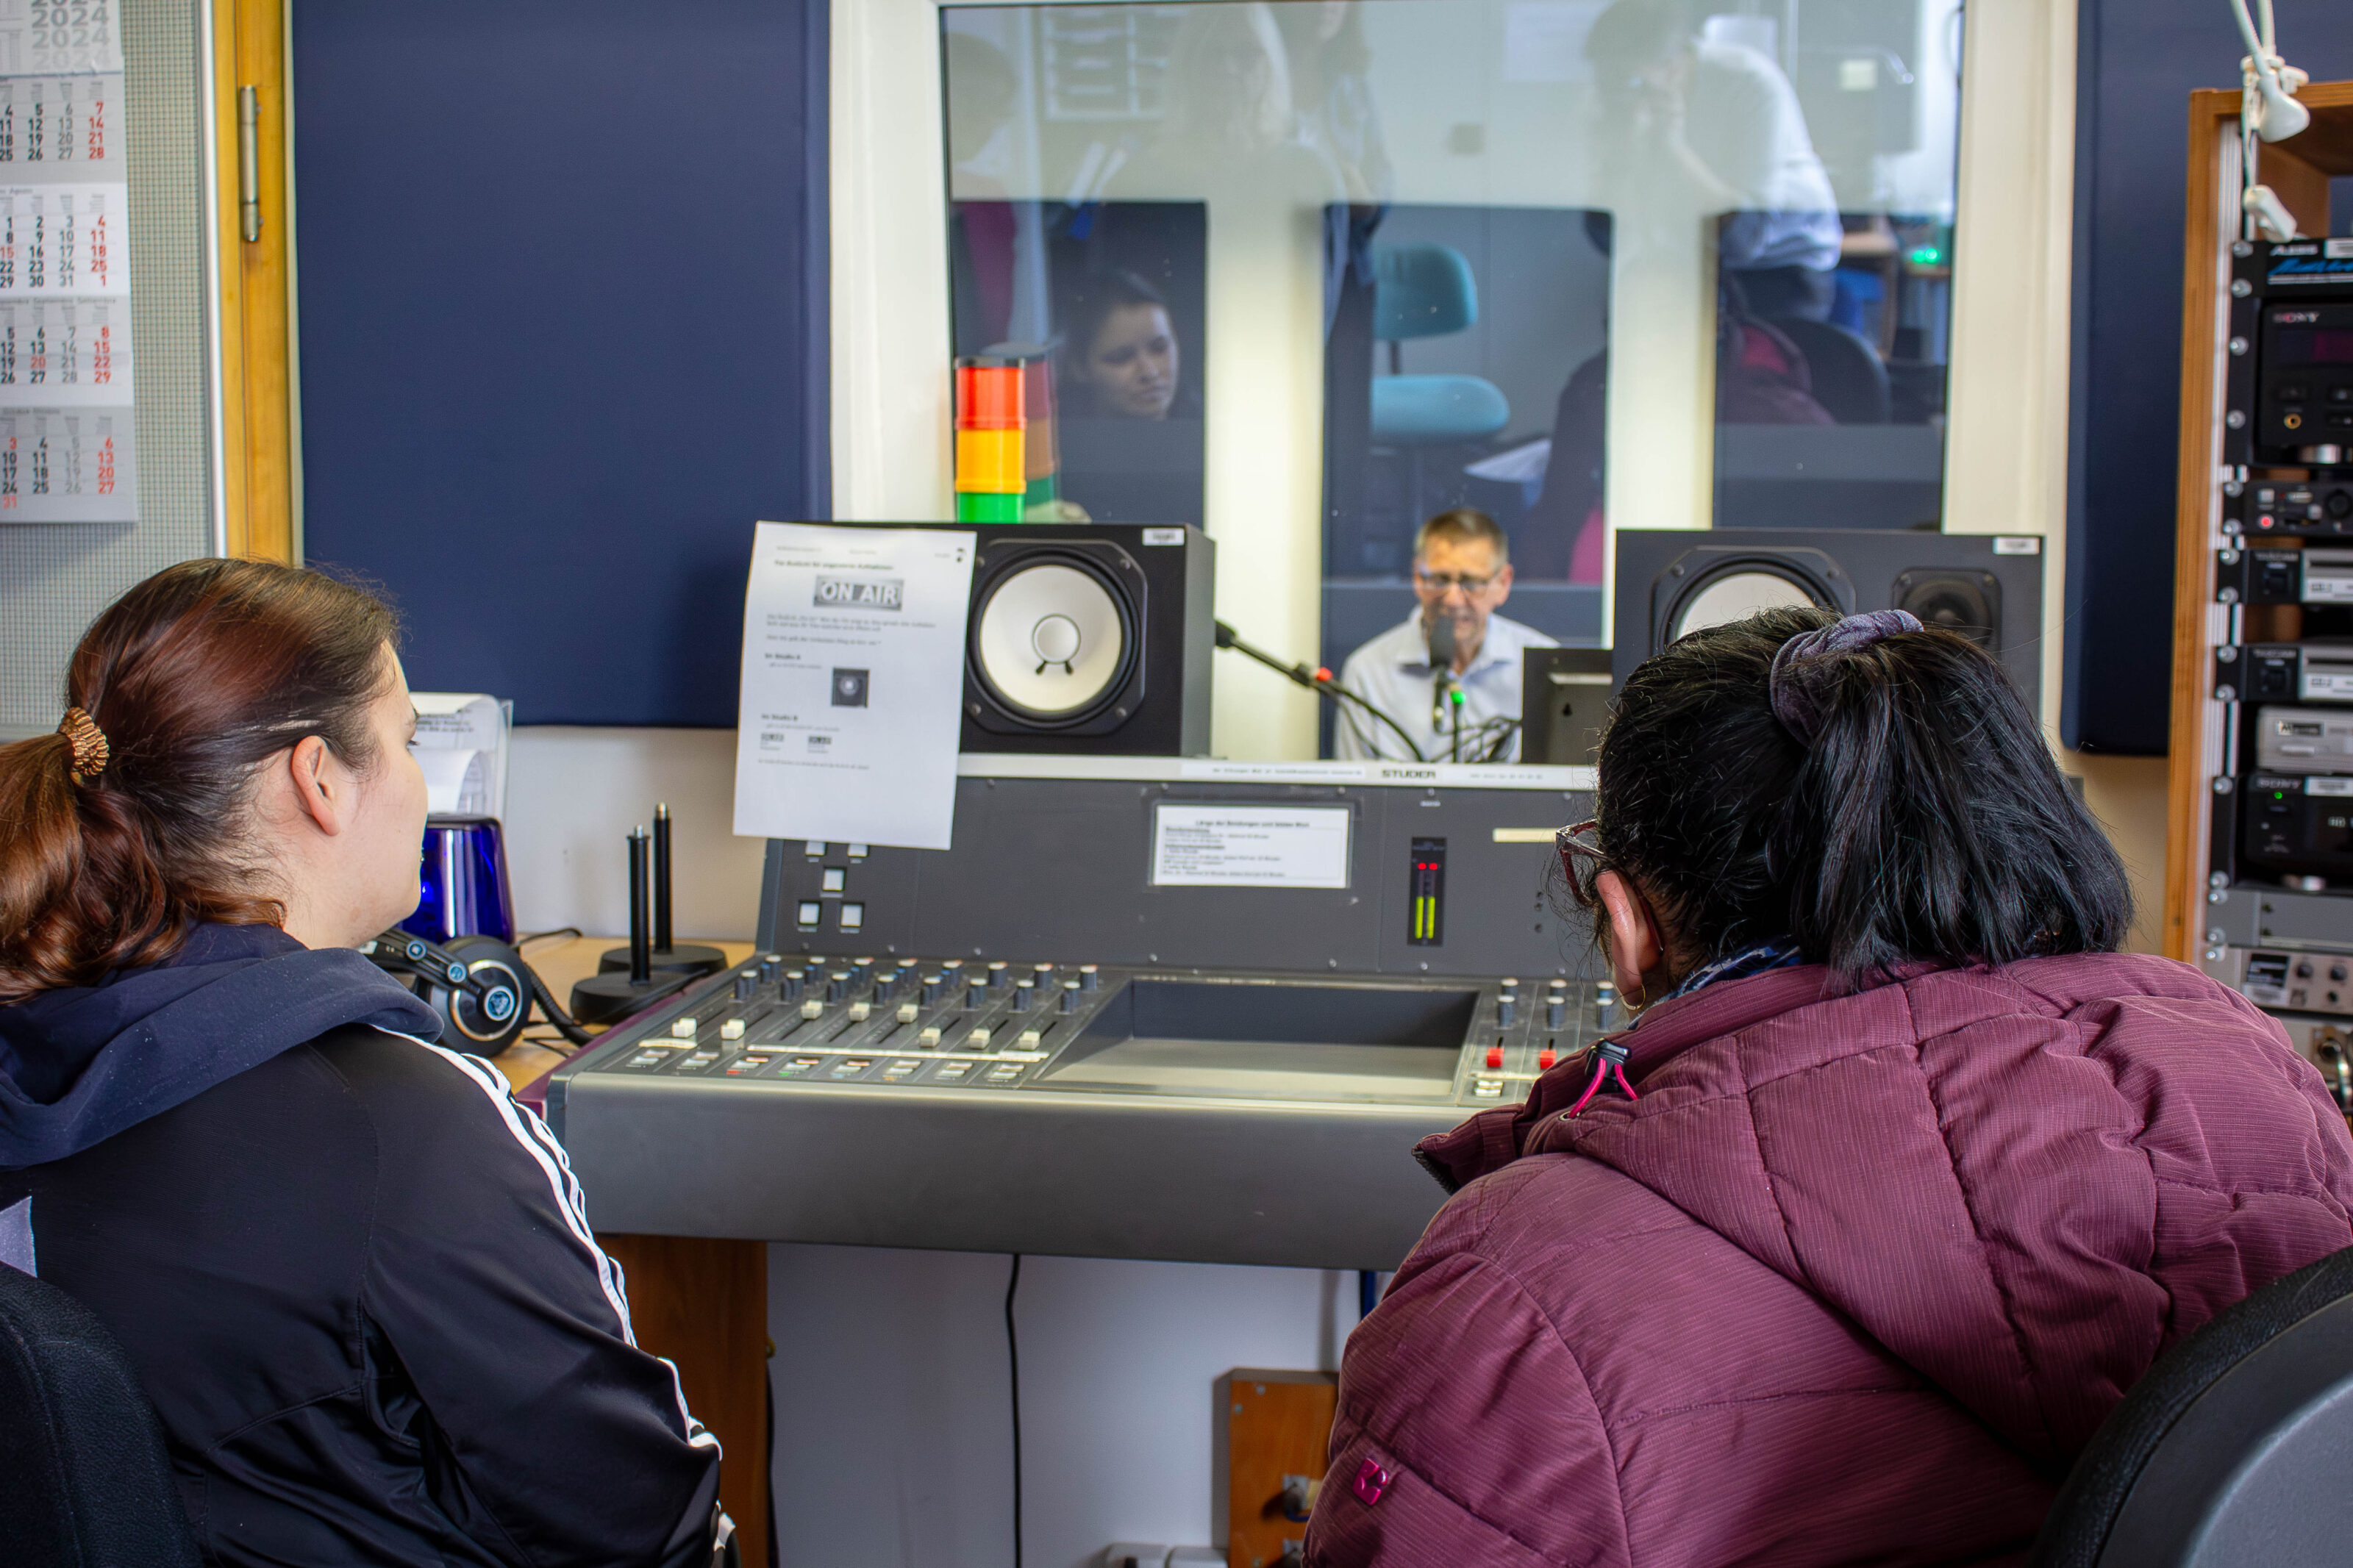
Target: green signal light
{"x":1927,"y":255}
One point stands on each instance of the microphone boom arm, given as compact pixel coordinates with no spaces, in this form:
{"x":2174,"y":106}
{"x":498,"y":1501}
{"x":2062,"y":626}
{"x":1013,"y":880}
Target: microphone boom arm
{"x":1315,"y":680}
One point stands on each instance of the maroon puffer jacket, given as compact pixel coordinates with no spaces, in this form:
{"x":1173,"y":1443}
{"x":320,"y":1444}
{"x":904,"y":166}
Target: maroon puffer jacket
{"x":1853,"y":1282}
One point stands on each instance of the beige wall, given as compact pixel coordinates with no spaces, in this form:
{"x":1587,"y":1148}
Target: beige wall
{"x":2127,"y":794}
{"x":2007,"y":455}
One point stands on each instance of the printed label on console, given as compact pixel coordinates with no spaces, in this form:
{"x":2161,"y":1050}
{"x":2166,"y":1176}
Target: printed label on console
{"x":1250,"y":846}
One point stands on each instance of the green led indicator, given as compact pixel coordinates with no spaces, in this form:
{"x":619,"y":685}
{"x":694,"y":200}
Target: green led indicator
{"x":1927,"y":255}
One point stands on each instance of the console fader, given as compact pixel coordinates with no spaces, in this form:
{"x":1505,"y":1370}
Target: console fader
{"x":1001,"y":1025}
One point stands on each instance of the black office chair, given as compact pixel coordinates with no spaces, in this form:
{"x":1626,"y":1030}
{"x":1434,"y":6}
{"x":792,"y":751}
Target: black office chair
{"x":84,"y":1482}
{"x":2236,"y":1448}
{"x":1849,"y":377}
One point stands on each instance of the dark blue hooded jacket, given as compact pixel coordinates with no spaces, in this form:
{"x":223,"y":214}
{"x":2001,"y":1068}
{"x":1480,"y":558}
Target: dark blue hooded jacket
{"x":356,"y":1277}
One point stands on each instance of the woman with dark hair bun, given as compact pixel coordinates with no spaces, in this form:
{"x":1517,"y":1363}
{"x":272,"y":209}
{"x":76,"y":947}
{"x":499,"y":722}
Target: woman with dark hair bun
{"x":1901,"y":1178}
{"x":356,"y":1278}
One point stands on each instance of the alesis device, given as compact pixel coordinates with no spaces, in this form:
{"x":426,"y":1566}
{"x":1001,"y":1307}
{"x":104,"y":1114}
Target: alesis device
{"x":1145,"y":1008}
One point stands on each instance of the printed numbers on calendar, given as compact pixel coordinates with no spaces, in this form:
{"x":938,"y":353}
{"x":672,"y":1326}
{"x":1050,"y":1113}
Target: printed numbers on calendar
{"x":73,"y":38}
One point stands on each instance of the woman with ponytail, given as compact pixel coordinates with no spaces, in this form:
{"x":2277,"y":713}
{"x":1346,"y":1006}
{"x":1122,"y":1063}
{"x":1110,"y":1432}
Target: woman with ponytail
{"x":355,"y":1275}
{"x":1901,"y":1178}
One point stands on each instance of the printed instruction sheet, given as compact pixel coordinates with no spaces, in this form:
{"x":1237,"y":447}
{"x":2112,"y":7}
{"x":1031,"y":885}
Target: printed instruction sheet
{"x":853,"y":684}
{"x":1250,"y":846}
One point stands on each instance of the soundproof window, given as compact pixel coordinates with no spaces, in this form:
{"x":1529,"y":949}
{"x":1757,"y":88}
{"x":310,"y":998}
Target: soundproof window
{"x":1312,"y":273}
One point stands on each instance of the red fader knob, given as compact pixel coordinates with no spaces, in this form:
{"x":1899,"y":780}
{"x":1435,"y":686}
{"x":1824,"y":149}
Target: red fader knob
{"x":1495,"y":1058}
{"x":1544,"y":1060}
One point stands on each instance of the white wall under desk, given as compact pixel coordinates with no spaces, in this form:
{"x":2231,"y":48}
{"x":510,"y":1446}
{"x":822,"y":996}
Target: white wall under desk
{"x":893,"y":1421}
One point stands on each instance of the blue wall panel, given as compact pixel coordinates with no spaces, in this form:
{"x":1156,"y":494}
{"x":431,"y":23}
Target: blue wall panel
{"x":2137,"y":62}
{"x":562,"y":316}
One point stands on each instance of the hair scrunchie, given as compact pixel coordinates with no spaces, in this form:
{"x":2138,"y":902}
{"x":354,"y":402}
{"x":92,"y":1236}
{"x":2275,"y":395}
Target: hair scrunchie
{"x":88,"y":741}
{"x":1792,"y":704}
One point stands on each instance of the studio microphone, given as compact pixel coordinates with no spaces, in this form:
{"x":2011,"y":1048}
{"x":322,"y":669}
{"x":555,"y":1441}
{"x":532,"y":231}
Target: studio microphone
{"x":1441,"y":632}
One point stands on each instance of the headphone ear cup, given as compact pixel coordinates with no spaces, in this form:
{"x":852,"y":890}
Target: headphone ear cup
{"x":487,"y":1019}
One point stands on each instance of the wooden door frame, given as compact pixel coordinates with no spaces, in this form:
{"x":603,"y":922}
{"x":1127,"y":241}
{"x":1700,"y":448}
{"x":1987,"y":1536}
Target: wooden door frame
{"x":260,"y":485}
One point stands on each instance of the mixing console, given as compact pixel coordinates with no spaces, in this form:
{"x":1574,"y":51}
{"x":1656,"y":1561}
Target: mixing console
{"x":1135,"y":1031}
{"x":965,"y":1025}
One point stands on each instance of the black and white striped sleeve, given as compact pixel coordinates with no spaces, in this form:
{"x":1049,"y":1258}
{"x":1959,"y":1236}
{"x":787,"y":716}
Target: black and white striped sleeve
{"x":513,"y":1326}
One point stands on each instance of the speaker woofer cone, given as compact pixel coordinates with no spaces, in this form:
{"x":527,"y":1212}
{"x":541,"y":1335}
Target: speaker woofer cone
{"x":1054,"y":640}
{"x":1738,"y":584}
{"x":1965,"y":601}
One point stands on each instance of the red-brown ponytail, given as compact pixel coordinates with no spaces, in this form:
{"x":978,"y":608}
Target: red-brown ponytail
{"x":194,"y":677}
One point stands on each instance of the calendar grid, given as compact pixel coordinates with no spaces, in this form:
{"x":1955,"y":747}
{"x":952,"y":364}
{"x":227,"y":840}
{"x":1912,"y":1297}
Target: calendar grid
{"x":55,"y":577}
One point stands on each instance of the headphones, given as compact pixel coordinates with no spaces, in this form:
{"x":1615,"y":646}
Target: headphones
{"x":480,"y":986}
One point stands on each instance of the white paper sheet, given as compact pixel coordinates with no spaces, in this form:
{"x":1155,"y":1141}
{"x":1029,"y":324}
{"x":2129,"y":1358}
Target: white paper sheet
{"x":471,"y":728}
{"x":1250,"y":846}
{"x":853,"y":684}
{"x":453,"y":783}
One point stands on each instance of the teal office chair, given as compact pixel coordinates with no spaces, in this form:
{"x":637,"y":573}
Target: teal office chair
{"x":1427,"y":291}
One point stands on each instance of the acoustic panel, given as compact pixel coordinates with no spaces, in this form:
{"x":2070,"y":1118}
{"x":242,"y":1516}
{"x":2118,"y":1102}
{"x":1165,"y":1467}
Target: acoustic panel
{"x":564,"y":299}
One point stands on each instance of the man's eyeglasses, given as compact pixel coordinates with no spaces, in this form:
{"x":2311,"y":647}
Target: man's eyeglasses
{"x":1443,"y":582}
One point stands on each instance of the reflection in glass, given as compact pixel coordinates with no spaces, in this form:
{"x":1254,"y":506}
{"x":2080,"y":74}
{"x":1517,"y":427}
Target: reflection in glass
{"x":1114,"y":293}
{"x":1448,"y":676}
{"x":1478,"y":318}
{"x":1573,"y":264}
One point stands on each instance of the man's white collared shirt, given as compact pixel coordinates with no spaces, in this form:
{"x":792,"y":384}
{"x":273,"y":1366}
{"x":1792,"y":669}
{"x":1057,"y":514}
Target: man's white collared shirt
{"x":1393,"y":673}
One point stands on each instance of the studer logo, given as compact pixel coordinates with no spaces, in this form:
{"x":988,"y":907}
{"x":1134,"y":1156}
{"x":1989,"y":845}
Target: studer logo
{"x":860,"y":593}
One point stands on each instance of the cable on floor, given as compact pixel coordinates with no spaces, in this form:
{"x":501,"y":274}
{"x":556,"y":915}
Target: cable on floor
{"x":1013,"y":1362}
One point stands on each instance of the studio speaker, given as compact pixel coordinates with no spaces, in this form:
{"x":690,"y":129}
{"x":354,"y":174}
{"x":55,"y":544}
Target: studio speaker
{"x":1987,"y":588}
{"x":1089,"y":638}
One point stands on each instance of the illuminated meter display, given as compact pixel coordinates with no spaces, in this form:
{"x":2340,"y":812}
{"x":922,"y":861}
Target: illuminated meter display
{"x":1425,"y":897}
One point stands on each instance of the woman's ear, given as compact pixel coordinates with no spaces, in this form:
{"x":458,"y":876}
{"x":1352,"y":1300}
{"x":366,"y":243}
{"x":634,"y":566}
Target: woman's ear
{"x":1635,"y":944}
{"x":322,"y":790}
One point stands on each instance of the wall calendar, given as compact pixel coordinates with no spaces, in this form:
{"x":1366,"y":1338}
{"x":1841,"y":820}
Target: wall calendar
{"x":68,"y":443}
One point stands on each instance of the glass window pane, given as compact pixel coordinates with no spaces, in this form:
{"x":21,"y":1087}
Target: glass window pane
{"x":1311,"y":272}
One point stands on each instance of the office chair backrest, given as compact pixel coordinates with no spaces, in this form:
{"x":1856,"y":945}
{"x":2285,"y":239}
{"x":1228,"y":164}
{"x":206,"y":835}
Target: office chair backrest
{"x":1422,"y":291}
{"x":84,"y":1482}
{"x":2233,"y":1450}
{"x":1849,"y":377}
